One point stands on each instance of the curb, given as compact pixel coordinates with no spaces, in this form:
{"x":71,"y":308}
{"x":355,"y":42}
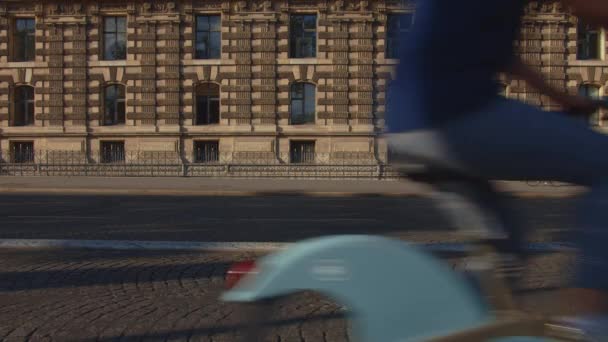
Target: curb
{"x":209,"y":193}
{"x":240,"y":193}
{"x":455,"y":247}
{"x":124,"y":192}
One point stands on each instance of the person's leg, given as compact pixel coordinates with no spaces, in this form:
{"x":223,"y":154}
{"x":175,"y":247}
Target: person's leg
{"x":513,"y":141}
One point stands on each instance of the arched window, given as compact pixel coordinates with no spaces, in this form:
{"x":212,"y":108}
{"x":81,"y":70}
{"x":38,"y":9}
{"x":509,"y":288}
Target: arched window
{"x":23,"y":114}
{"x":302,"y":103}
{"x":207,"y":104}
{"x":593,"y":92}
{"x":114,"y":111}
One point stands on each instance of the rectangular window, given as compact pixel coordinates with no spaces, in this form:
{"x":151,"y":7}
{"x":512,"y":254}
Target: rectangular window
{"x":24,"y":40}
{"x":207,"y":110}
{"x":589,"y":45}
{"x":207,"y":104}
{"x":303,"y":36}
{"x":112,"y":151}
{"x":398,"y":26}
{"x":302,"y":103}
{"x":206,"y":151}
{"x":302,"y":152}
{"x":23,"y":106}
{"x":114,"y":38}
{"x":207,"y":40}
{"x":114,"y":109}
{"x":22,"y":151}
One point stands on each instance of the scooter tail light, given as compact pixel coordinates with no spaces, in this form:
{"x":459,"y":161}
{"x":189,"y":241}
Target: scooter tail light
{"x":238,"y":271}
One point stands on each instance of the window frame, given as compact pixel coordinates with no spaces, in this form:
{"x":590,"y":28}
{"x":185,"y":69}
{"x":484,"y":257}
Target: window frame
{"x":28,"y":120}
{"x":302,"y":157}
{"x":196,"y":148}
{"x":209,"y":33}
{"x":115,"y":120}
{"x":30,"y":156}
{"x":303,"y":99}
{"x":15,"y":39}
{"x":210,"y":99}
{"x":116,"y":34}
{"x":601,"y":42}
{"x":392,"y":39}
{"x":103,"y":149}
{"x":293,"y":46}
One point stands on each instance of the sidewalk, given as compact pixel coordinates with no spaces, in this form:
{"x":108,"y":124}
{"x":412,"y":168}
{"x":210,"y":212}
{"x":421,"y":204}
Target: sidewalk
{"x":180,"y":186}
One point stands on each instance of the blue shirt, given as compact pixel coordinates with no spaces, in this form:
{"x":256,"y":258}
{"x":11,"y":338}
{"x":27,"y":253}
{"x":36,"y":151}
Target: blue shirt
{"x":449,"y":60}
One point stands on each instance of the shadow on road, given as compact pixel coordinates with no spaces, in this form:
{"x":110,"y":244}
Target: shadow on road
{"x":275,"y":218}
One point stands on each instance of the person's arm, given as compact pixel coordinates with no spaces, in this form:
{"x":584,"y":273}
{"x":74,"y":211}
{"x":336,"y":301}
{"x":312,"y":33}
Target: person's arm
{"x":592,"y":11}
{"x":574,"y":104}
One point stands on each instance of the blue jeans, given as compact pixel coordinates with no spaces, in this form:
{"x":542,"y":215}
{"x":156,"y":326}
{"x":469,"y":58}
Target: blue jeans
{"x":509,"y":140}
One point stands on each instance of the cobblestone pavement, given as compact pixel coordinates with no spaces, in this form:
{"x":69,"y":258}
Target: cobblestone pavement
{"x":102,"y":295}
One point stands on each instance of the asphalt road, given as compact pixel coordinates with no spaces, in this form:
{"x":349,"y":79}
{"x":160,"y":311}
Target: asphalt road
{"x":273,"y":218}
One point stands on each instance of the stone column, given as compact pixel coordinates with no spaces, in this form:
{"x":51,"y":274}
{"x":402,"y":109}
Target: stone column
{"x":143,"y":103}
{"x":76,"y":90}
{"x":554,"y":58}
{"x":265,"y":75}
{"x":55,"y":53}
{"x":238,"y":102}
{"x":94,"y":81}
{"x":168,"y":83}
{"x":362,"y":99}
{"x":337,"y":80}
{"x":4,"y":79}
{"x":530,"y":50}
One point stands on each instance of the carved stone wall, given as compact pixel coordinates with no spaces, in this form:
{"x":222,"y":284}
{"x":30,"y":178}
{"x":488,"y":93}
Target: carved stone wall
{"x":160,"y":73}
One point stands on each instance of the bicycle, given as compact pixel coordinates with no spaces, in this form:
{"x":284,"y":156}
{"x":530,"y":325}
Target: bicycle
{"x":409,"y":302}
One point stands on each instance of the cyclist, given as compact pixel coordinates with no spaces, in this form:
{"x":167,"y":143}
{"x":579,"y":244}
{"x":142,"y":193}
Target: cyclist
{"x":446,"y":81}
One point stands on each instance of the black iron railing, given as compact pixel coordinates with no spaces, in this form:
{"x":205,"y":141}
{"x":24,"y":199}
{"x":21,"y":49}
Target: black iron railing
{"x":202,"y":162}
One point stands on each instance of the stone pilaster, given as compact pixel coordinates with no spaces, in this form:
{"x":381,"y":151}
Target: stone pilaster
{"x":264,"y":85}
{"x":238,"y":100}
{"x":4,"y":81}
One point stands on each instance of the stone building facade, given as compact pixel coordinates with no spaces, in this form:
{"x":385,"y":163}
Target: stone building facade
{"x":223,"y":80}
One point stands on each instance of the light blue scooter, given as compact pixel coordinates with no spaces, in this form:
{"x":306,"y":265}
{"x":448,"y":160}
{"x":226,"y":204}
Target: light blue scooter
{"x":398,"y":292}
